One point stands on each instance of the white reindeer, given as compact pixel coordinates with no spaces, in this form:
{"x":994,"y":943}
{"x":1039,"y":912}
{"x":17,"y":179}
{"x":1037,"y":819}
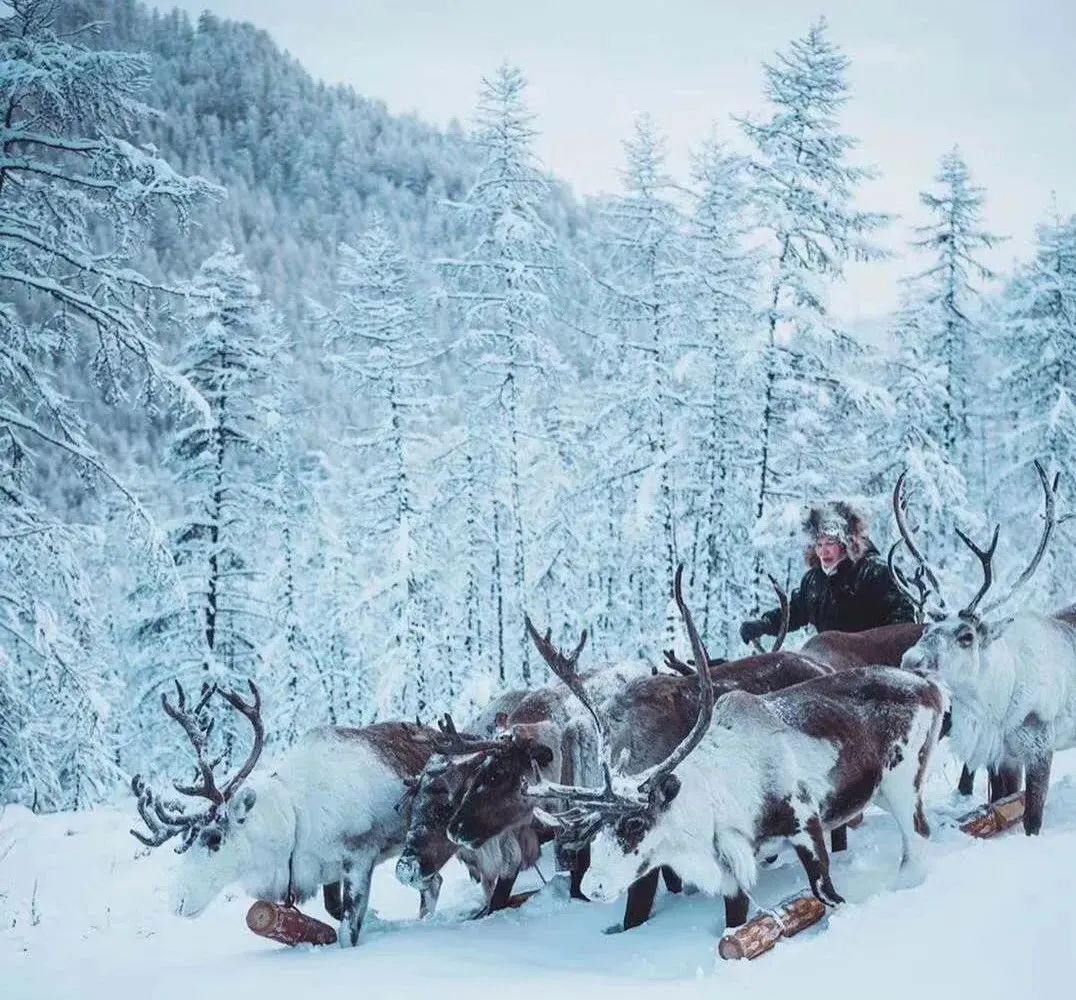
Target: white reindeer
{"x":1011,"y":677}
{"x":756,"y":771}
{"x":325,"y":817}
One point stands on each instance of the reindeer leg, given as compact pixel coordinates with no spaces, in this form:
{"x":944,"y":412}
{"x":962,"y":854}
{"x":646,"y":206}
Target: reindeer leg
{"x":838,"y":838}
{"x":673,"y":882}
{"x":1037,"y":784}
{"x":1010,"y":775}
{"x":736,"y":908}
{"x":580,"y":864}
{"x":811,"y":850}
{"x":330,"y":895}
{"x":966,"y":785}
{"x":428,"y":896}
{"x":502,"y":892}
{"x":355,"y":887}
{"x":641,"y":899}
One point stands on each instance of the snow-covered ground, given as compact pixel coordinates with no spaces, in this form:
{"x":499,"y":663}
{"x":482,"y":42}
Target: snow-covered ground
{"x":83,"y":913}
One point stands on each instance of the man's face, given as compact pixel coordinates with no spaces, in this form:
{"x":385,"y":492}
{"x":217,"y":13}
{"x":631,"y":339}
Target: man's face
{"x":830,"y":551}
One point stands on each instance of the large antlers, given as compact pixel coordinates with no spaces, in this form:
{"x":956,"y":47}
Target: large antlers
{"x":1050,"y":522}
{"x":198,"y":729}
{"x":252,"y":711}
{"x":986,"y":560}
{"x":900,"y":506}
{"x":706,"y":697}
{"x":985,"y":556}
{"x":921,"y":593}
{"x":565,"y":669}
{"x":165,"y":819}
{"x":592,"y":801}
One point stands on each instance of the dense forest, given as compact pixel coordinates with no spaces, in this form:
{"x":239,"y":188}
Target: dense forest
{"x":297,"y":391}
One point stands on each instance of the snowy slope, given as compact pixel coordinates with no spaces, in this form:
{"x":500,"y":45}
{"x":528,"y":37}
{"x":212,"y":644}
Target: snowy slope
{"x":83,"y":913}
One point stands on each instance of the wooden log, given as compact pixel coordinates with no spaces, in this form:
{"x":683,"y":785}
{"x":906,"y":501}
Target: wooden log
{"x":994,"y":817}
{"x":287,"y":925}
{"x":758,"y":936}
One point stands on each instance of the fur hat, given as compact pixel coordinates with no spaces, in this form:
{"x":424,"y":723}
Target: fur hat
{"x":843,"y":522}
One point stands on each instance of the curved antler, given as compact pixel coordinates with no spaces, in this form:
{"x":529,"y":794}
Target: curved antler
{"x":706,"y":697}
{"x":162,"y":823}
{"x":986,"y":560}
{"x":1050,"y":522}
{"x":198,"y":730}
{"x":565,"y":669}
{"x":782,"y":599}
{"x":900,"y":505}
{"x":918,"y":598}
{"x":252,"y":711}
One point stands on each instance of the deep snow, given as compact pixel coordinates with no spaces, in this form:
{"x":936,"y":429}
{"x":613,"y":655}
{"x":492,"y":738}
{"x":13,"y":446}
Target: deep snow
{"x":83,"y":913}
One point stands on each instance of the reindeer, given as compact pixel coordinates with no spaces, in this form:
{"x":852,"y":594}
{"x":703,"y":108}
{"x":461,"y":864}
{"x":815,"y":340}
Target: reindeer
{"x":757,"y":771}
{"x":1011,"y":676}
{"x":527,"y":736}
{"x":427,"y":848}
{"x":326,"y":816}
{"x":658,"y":711}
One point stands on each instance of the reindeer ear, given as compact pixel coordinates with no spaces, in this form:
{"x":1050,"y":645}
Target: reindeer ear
{"x":541,"y":754}
{"x":667,"y":790}
{"x":244,"y":802}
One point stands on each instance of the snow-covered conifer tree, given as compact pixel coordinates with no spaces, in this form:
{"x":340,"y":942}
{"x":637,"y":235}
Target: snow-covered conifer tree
{"x":725,"y":278}
{"x":647,"y":287}
{"x":1035,"y":394}
{"x":951,"y":307}
{"x":215,"y":621}
{"x":380,"y":344}
{"x":803,"y":189}
{"x":504,"y":288}
{"x":74,"y":195}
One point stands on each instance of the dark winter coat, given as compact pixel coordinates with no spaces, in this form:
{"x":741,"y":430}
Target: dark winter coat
{"x":859,"y":595}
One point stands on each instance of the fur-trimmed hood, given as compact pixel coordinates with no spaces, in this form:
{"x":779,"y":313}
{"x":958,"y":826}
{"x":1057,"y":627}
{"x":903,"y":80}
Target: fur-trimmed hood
{"x":843,"y":522}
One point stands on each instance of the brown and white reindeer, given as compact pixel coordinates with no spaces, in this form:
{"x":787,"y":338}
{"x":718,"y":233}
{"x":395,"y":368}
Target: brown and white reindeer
{"x":325,"y":816}
{"x":427,"y":848}
{"x":758,"y":771}
{"x":1011,"y":676}
{"x":527,"y":735}
{"x":647,"y":719}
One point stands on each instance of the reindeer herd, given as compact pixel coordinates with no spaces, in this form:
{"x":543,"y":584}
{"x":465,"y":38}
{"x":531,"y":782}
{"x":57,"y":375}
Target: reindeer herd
{"x":693,"y":776}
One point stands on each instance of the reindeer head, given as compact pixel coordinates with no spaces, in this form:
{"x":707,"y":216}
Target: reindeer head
{"x":435,"y":798}
{"x":492,"y":801}
{"x":215,"y":842}
{"x":954,"y":642}
{"x":626,"y":822}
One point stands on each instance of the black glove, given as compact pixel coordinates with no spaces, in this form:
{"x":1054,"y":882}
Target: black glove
{"x":753,"y":629}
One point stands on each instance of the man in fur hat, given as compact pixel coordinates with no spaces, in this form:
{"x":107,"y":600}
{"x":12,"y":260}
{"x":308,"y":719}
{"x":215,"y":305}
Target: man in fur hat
{"x":847,"y":586}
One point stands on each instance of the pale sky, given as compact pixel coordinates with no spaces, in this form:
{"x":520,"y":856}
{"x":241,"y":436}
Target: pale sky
{"x":995,"y":76}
